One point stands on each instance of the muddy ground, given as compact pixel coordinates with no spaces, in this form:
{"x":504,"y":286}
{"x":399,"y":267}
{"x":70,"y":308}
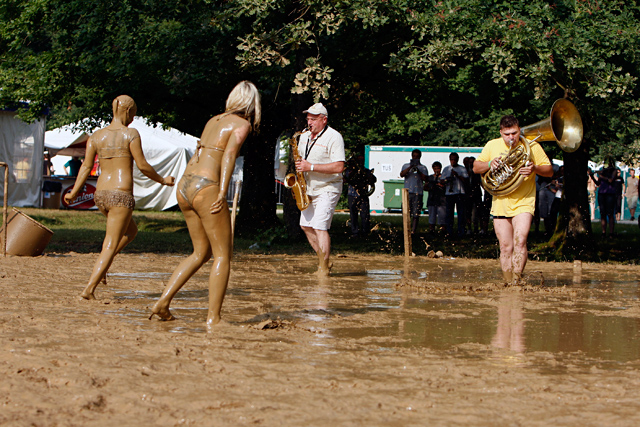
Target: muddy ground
{"x":382,"y":342}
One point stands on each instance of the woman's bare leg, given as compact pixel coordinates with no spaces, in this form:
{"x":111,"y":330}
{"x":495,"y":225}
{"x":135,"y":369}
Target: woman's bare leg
{"x":218,"y":229}
{"x":189,"y":266}
{"x":118,"y":220}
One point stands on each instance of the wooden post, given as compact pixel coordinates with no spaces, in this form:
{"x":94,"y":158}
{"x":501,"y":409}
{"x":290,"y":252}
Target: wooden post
{"x":236,"y":196}
{"x":4,"y":208}
{"x":406,"y":222}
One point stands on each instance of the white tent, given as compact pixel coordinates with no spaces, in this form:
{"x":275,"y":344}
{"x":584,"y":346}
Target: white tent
{"x":21,"y":149}
{"x":167,"y":150}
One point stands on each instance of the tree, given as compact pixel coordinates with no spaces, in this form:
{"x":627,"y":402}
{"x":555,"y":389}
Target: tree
{"x":389,"y":71}
{"x":522,"y":55}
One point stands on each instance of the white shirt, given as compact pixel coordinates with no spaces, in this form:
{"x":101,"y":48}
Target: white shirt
{"x":328,"y":148}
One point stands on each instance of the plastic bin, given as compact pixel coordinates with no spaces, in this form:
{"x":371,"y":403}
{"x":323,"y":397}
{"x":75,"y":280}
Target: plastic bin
{"x":25,"y":235}
{"x":51,"y":194}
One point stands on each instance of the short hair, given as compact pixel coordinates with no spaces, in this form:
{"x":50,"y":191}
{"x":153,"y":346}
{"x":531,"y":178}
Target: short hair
{"x":416,"y":151}
{"x":244,"y":100}
{"x":438,"y":164}
{"x":508,"y":121}
{"x":455,"y":155}
{"x":124,"y":101}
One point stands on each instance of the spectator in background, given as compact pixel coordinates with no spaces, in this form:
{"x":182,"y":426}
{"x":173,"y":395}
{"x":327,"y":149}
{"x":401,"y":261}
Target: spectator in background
{"x":618,"y":184}
{"x":47,"y":166}
{"x":546,"y":195}
{"x":72,"y":167}
{"x":557,"y":187}
{"x":474,"y":198}
{"x":414,"y":174}
{"x":606,"y":199}
{"x":631,"y":193}
{"x":591,"y":189}
{"x":361,"y":182}
{"x":436,"y":202}
{"x":455,"y":177}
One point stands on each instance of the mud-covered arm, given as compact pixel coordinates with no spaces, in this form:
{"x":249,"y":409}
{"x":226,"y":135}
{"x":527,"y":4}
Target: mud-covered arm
{"x":83,"y":173}
{"x":238,"y":135}
{"x":144,"y":166}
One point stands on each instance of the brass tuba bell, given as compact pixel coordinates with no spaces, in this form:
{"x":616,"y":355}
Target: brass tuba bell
{"x":563,"y":125}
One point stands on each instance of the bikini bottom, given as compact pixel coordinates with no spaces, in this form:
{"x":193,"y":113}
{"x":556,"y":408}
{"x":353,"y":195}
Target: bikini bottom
{"x":107,"y":199}
{"x":191,"y":184}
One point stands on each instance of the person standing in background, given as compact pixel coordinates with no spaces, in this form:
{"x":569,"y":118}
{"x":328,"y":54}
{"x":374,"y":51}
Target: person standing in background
{"x":455,"y":176}
{"x":591,"y":189}
{"x":72,"y":167}
{"x":360,"y":180}
{"x":474,"y":199}
{"x":414,"y":174}
{"x":618,"y":184}
{"x":606,"y":199}
{"x":631,"y":193}
{"x":436,"y":202}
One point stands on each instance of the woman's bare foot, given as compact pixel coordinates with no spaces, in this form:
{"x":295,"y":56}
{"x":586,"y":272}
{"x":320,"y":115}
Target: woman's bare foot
{"x":162,"y":312}
{"x":87,"y":295}
{"x":216,"y":323}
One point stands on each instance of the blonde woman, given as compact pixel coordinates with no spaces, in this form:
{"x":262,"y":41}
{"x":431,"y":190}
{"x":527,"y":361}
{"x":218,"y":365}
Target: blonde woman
{"x":202,"y":197}
{"x":117,"y":147}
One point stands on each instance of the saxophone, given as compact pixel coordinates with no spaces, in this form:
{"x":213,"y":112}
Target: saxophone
{"x":295,"y":181}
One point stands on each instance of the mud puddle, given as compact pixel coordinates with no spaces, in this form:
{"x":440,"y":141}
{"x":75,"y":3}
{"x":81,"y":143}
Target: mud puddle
{"x":443,"y":305}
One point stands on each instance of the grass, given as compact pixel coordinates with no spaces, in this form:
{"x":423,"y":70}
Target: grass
{"x":166,"y":232}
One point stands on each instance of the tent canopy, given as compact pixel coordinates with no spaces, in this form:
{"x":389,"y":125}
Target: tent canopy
{"x":65,"y":142}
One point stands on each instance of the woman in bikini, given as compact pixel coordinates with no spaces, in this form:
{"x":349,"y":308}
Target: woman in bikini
{"x":202,"y":197}
{"x":117,"y":146}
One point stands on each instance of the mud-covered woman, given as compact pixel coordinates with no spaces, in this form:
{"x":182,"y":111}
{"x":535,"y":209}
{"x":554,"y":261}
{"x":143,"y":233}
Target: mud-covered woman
{"x":202,"y":197}
{"x":117,"y":147}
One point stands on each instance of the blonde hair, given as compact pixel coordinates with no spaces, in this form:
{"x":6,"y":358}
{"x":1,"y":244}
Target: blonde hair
{"x":244,"y":100}
{"x":124,"y":101}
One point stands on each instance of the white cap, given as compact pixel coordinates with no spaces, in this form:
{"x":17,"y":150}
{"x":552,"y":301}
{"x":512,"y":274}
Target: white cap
{"x":317,"y":109}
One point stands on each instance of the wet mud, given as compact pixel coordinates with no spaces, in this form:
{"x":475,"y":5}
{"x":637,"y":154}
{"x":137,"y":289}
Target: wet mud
{"x":384,"y":341}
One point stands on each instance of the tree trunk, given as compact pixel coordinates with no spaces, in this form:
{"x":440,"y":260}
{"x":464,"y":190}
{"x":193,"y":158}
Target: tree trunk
{"x":572,"y":236}
{"x":258,"y":202}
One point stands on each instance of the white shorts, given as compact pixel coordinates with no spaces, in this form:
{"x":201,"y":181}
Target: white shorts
{"x":320,"y":211}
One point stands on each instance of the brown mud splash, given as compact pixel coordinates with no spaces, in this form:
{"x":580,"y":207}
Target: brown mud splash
{"x":383,"y":341}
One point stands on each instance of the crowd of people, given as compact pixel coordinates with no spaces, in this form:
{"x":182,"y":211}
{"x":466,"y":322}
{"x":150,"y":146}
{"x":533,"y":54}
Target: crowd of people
{"x":454,"y":189}
{"x":457,"y":190}
{"x":609,"y":189}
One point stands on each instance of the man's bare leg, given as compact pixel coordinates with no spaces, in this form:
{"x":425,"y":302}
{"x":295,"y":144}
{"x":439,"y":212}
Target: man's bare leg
{"x":320,"y":241}
{"x":521,"y":225}
{"x":504,"y":233}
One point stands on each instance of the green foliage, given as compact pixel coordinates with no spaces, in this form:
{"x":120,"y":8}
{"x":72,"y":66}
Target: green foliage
{"x":390,"y":71}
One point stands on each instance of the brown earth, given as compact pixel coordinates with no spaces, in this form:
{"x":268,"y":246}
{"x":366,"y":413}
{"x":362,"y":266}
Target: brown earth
{"x":373,"y":345}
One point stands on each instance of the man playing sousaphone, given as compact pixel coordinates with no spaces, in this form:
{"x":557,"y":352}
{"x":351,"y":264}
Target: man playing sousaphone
{"x":513,"y":212}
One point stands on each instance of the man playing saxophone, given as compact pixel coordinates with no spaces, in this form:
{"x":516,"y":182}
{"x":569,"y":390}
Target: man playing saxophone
{"x":321,"y":150}
{"x":513,"y":213}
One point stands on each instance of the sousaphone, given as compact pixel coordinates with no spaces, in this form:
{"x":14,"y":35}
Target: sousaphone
{"x":563,"y":125}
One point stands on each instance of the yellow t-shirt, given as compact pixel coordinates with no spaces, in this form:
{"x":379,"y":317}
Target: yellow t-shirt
{"x":523,"y":199}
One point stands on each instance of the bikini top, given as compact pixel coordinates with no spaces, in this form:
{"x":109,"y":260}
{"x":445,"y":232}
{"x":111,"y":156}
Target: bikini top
{"x":200,"y":145}
{"x":114,"y":147}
